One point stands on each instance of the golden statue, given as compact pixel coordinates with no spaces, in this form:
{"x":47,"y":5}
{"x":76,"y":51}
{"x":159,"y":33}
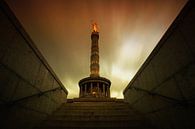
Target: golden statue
{"x":94,"y":27}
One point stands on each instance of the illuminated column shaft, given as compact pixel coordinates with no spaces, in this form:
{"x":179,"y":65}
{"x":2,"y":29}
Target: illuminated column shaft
{"x":94,"y":66}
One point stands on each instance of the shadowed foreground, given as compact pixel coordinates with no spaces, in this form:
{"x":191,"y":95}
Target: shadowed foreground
{"x":92,"y":114}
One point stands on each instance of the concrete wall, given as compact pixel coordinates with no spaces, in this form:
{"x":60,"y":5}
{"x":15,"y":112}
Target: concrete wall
{"x":164,"y":87}
{"x":29,"y":89}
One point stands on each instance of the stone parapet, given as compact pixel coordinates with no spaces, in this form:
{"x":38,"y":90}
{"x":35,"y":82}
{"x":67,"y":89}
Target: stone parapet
{"x":163,"y":88}
{"x":29,"y":89}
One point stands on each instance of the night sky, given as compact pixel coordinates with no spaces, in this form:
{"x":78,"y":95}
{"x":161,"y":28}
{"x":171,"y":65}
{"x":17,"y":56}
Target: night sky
{"x":129,"y":30}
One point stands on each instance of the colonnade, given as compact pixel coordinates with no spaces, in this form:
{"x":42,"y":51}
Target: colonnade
{"x":95,"y":89}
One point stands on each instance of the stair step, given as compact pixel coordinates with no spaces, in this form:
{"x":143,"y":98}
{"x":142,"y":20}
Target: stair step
{"x":94,"y":110}
{"x":88,"y":114}
{"x":95,"y":115}
{"x":94,"y":104}
{"x":91,"y":113}
{"x":56,"y":127}
{"x":93,"y":118}
{"x":86,"y":123}
{"x":95,"y":107}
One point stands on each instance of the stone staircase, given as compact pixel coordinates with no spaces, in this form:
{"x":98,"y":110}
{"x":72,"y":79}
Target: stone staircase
{"x":95,"y":115}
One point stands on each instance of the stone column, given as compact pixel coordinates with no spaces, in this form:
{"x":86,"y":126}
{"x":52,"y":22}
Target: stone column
{"x":108,"y":91}
{"x":80,"y":94}
{"x":91,"y":87}
{"x":104,"y":90}
{"x":82,"y":91}
{"x":98,"y":89}
{"x":85,"y":89}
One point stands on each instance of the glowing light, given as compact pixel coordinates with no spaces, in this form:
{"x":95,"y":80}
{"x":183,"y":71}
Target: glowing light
{"x":94,"y":27}
{"x":120,"y":73}
{"x":116,"y":94}
{"x":131,"y":49}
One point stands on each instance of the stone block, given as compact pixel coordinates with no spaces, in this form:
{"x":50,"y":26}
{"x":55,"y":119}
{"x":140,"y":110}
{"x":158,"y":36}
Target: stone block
{"x":149,"y":103}
{"x":131,"y":96}
{"x":22,"y":118}
{"x":40,"y":76}
{"x":8,"y":83}
{"x":187,"y":28}
{"x":170,"y":117}
{"x":147,"y":79}
{"x":186,"y":81}
{"x":47,"y":81}
{"x":171,"y":89}
{"x":55,"y":84}
{"x":154,"y":119}
{"x":62,"y":97}
{"x":21,"y":59}
{"x":42,"y":103}
{"x":173,"y":56}
{"x":54,"y":95}
{"x":23,"y":90}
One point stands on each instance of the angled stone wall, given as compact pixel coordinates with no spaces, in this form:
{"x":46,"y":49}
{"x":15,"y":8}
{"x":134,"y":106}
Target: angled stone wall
{"x":164,"y":87}
{"x":29,"y":89}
